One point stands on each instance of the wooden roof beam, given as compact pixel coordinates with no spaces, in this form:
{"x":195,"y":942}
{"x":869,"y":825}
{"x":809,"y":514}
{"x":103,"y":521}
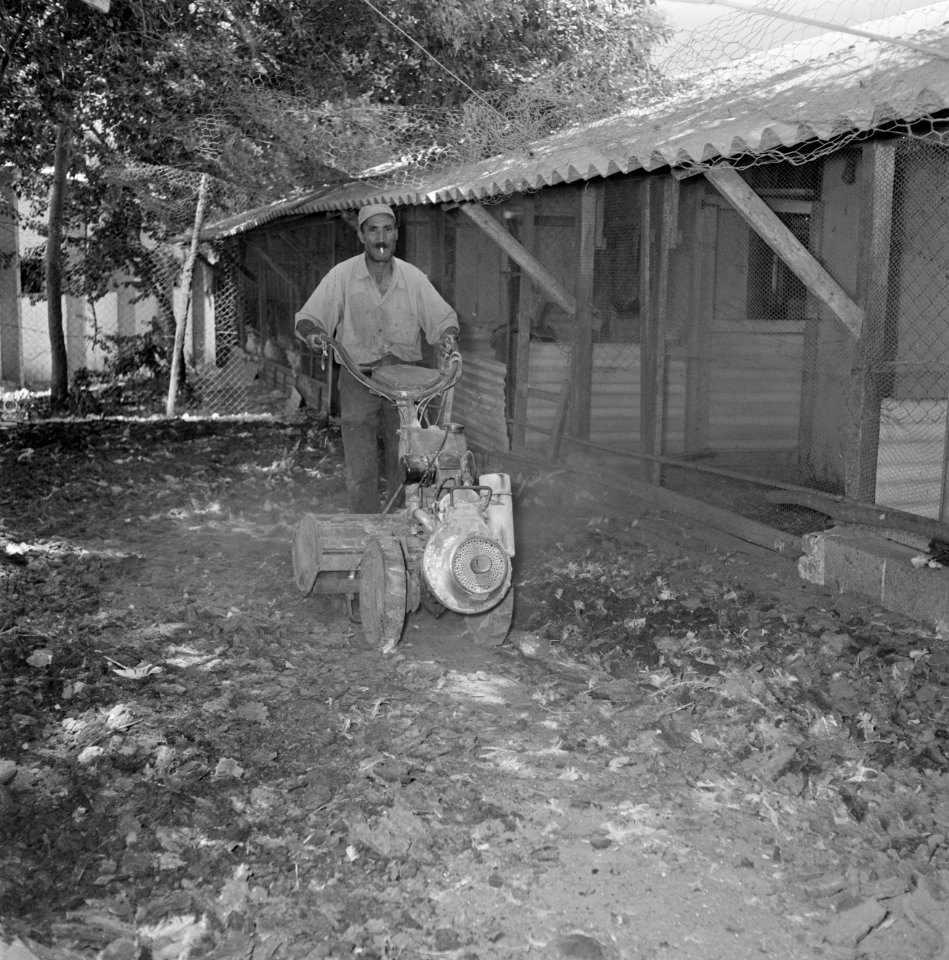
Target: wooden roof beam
{"x":766,"y":223}
{"x":544,"y":279}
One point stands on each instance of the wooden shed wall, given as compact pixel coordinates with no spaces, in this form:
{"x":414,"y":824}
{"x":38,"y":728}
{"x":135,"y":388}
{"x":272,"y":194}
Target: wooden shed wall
{"x":480,"y":297}
{"x":282,"y":266}
{"x":754,"y":395}
{"x":616,"y":394}
{"x":753,"y":400}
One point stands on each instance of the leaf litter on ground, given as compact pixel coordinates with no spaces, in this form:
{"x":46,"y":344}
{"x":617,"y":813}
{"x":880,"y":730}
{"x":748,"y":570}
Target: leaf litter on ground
{"x":257,"y":771}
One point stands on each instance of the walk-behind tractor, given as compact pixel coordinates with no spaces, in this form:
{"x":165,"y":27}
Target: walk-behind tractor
{"x":450,"y":546}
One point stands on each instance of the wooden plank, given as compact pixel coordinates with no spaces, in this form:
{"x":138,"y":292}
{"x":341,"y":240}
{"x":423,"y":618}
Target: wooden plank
{"x":877,"y":171}
{"x":583,"y":329}
{"x":765,"y":222}
{"x":850,"y":511}
{"x":543,"y":394}
{"x":526,"y":260}
{"x":660,"y":498}
{"x":560,"y":420}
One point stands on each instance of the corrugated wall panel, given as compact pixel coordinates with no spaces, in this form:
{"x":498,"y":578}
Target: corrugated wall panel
{"x":755,"y":390}
{"x":615,"y":396}
{"x":910,"y":455}
{"x":479,"y":404}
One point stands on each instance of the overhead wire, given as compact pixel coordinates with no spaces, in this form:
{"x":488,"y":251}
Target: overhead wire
{"x":506,"y":119}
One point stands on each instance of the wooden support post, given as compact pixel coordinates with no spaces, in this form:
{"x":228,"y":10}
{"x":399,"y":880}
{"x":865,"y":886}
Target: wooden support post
{"x":698,"y":367}
{"x":811,"y":355}
{"x":525,"y":320}
{"x":548,"y":283}
{"x":658,"y":198}
{"x":583,"y":327}
{"x":764,"y":221}
{"x":645,"y":305}
{"x":873,"y":282}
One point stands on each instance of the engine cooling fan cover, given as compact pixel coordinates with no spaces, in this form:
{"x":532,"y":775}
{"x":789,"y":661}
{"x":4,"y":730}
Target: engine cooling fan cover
{"x":466,"y":567}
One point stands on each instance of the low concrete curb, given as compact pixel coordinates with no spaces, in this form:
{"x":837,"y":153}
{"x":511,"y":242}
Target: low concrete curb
{"x":892,"y":574}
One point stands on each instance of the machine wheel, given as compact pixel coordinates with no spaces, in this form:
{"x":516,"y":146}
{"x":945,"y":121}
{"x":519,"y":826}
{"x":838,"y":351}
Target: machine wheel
{"x":413,"y":590}
{"x":491,"y":629}
{"x":382,"y":592}
{"x":305,"y":554}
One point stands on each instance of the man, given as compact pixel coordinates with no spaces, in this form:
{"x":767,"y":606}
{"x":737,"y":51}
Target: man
{"x":377,"y":306}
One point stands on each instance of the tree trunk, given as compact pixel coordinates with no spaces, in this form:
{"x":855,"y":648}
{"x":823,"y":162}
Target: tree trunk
{"x":59,"y":374}
{"x":176,"y":379}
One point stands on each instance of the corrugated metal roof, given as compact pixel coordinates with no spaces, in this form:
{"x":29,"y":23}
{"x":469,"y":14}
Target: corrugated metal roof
{"x":816,"y":89}
{"x":249,"y":219}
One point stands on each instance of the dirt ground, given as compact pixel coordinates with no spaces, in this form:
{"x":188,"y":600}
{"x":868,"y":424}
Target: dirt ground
{"x":672,"y":756}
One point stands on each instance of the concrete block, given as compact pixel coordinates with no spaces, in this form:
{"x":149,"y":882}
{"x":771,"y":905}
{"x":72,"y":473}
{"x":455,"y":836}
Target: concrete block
{"x":854,"y":562}
{"x":918,"y":592}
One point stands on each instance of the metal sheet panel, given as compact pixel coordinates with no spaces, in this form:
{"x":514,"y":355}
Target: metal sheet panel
{"x":806,"y":92}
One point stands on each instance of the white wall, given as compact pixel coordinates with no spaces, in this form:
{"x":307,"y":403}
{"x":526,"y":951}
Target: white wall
{"x":83,"y":322}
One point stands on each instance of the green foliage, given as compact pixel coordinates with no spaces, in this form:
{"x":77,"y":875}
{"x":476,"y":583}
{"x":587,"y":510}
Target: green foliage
{"x":134,"y":373}
{"x":145,"y":354}
{"x":265,"y":95}
{"x":269,"y":98}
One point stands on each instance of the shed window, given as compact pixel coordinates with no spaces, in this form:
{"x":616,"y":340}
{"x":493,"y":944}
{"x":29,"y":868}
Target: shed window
{"x":774,"y":292}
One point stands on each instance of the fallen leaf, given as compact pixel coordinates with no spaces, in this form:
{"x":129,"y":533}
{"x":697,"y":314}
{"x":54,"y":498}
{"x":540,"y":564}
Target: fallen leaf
{"x":90,"y":755}
{"x":137,"y":673}
{"x":228,"y":767}
{"x":174,"y":938}
{"x":252,"y":710}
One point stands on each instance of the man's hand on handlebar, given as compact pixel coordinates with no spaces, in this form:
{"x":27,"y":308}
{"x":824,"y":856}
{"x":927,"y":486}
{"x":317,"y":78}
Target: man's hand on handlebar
{"x":447,"y":346}
{"x":318,"y":341}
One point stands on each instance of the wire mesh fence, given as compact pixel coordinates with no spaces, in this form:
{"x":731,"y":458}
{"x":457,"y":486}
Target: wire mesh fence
{"x":119,"y":343}
{"x":756,"y":381}
{"x":704,"y":346}
{"x":907,"y":361}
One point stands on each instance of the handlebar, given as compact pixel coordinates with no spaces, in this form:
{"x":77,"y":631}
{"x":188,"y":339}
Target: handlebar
{"x":450,"y":374}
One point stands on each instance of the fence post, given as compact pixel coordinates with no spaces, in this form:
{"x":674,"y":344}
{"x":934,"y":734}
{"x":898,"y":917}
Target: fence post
{"x":873,"y":283}
{"x":181,"y":312}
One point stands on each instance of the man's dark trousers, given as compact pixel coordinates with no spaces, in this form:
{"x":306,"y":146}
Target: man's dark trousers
{"x":363,"y":415}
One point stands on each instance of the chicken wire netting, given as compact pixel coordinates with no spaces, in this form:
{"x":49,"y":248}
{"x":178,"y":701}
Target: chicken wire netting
{"x":714,"y":369}
{"x":724,"y":361}
{"x":119,"y":342}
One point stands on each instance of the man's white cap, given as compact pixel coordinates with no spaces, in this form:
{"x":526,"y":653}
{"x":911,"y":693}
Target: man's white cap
{"x":372,"y":210}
